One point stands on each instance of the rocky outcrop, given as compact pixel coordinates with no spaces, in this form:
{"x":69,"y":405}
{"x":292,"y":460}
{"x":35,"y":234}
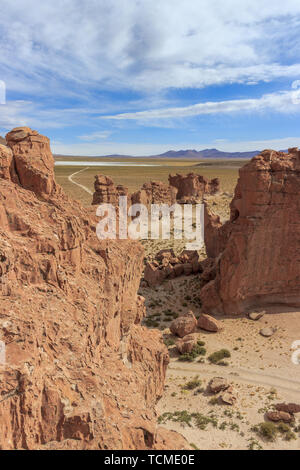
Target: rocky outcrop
{"x":80,"y":371}
{"x":33,"y":161}
{"x":192,"y":187}
{"x":168,"y":266}
{"x":106,"y":192}
{"x":154,"y":192}
{"x":2,"y":141}
{"x":258,"y":261}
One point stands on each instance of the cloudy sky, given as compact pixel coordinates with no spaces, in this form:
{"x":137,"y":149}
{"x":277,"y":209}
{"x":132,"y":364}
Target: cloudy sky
{"x":144,"y":76}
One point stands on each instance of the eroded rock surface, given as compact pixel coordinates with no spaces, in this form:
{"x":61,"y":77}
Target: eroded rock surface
{"x":257,"y":251}
{"x":80,"y":371}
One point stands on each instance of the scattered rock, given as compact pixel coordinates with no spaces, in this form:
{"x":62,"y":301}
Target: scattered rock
{"x":184,"y":325}
{"x":208,"y":323}
{"x":267,"y":332}
{"x":228,"y":397}
{"x":256,"y":315}
{"x":218,"y":384}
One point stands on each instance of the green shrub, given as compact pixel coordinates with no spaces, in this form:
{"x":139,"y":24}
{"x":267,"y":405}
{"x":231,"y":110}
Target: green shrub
{"x":192,"y":384}
{"x":267,"y":431}
{"x":217,"y":356}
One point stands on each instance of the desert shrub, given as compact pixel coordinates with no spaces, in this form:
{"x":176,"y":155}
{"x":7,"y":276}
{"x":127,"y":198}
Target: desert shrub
{"x":192,"y":384}
{"x":151,"y":323}
{"x":194,"y":446}
{"x":169,"y":342}
{"x":285,"y":430}
{"x":267,"y":431}
{"x":201,"y":421}
{"x":198,"y":350}
{"x":217,"y":356}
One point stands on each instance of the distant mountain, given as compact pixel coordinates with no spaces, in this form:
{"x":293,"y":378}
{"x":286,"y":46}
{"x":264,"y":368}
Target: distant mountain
{"x":206,"y":153}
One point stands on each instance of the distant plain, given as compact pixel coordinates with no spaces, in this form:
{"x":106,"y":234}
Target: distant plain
{"x":134,"y":177}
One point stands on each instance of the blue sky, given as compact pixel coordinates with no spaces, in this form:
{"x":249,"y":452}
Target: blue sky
{"x":141,"y":77}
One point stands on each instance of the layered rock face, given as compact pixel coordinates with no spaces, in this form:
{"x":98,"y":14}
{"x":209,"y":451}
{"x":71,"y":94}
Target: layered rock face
{"x":80,"y":371}
{"x":106,"y":191}
{"x":155,"y":192}
{"x":258,"y":251}
{"x":192,"y":187}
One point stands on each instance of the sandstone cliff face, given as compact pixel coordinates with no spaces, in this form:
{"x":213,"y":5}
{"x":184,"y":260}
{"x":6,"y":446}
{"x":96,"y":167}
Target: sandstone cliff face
{"x":155,"y":192}
{"x":192,"y":187}
{"x":258,"y":250}
{"x":80,"y":371}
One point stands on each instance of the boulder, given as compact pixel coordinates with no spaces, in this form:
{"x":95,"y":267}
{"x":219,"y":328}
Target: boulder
{"x":279,"y":416}
{"x":153,"y":275}
{"x":256,"y":315}
{"x":228,"y":397}
{"x":288,"y":407}
{"x":218,"y":384}
{"x":208,"y":323}
{"x":184,"y":325}
{"x":187,"y":343}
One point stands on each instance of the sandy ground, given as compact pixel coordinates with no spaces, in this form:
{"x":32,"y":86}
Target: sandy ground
{"x":260,"y":370}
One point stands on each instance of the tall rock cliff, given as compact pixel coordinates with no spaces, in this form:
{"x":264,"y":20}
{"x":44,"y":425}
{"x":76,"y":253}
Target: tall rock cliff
{"x":80,"y":371}
{"x":257,"y":252}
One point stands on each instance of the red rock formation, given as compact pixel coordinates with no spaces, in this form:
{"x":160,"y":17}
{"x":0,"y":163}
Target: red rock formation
{"x":80,"y":371}
{"x":2,"y":141}
{"x":258,"y":261}
{"x":6,"y":162}
{"x":33,"y":160}
{"x":106,"y":191}
{"x":192,"y":187}
{"x":155,"y":192}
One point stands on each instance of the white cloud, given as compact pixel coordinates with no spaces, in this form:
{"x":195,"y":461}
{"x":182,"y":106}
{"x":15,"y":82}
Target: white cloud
{"x":95,"y":136}
{"x":145,"y":45}
{"x":285,"y":102}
